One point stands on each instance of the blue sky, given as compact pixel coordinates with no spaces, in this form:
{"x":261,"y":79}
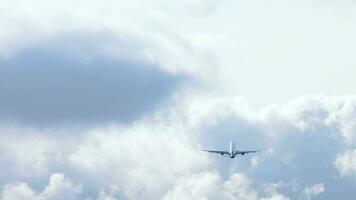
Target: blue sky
{"x":114,"y":100}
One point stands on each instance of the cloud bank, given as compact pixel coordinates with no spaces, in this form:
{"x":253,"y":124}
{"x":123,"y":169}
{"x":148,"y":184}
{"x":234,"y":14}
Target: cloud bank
{"x":114,"y":100}
{"x":158,"y":157}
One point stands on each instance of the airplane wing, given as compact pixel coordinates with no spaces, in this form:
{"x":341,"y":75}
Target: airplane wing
{"x":245,"y":152}
{"x":218,"y":152}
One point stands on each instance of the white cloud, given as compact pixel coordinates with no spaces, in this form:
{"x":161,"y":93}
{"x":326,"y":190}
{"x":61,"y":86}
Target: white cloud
{"x":311,"y":113}
{"x":198,"y":186}
{"x":204,"y":185}
{"x":17,"y":192}
{"x":103,"y":195}
{"x":346,"y":163}
{"x":271,"y":190}
{"x":276,"y":197}
{"x":143,"y":160}
{"x":59,"y":187}
{"x":254,"y":161}
{"x":239,"y":187}
{"x":209,"y":185}
{"x":314,"y":190}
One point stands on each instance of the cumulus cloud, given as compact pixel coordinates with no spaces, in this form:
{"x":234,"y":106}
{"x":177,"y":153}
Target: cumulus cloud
{"x":209,"y":185}
{"x":159,"y":157}
{"x":314,"y":190}
{"x":59,"y":187}
{"x":198,"y":186}
{"x":346,"y":162}
{"x":144,"y":160}
{"x":103,"y":195}
{"x":206,"y":185}
{"x":292,"y":135}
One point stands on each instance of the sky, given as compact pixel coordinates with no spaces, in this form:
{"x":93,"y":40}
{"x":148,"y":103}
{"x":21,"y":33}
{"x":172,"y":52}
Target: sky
{"x":113,"y":100}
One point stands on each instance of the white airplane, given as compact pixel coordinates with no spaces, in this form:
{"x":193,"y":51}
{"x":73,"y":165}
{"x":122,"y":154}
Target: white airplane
{"x":232,"y":151}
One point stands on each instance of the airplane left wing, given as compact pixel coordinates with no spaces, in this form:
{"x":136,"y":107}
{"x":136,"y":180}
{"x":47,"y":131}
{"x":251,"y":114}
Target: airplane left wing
{"x":218,"y":152}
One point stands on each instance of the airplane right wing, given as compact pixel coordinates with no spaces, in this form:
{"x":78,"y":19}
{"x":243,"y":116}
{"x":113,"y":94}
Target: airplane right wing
{"x":218,"y":152}
{"x":245,"y":152}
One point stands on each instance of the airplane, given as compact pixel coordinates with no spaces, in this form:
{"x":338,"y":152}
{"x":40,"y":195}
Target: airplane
{"x":232,"y":151}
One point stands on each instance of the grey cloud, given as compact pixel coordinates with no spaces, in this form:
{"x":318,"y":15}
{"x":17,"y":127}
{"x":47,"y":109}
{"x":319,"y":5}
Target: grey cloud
{"x":66,"y":82}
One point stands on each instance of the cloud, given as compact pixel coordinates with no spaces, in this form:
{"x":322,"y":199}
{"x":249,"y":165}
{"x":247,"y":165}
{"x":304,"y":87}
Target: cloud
{"x":239,"y":187}
{"x":346,"y":162}
{"x":231,"y":46}
{"x":53,"y":84}
{"x":206,"y":185}
{"x":198,"y":186}
{"x":314,"y":190}
{"x":209,"y":185}
{"x":103,"y":195}
{"x":59,"y":187}
{"x":143,"y":160}
{"x":115,"y":70}
{"x":159,"y":156}
{"x":291,"y":135}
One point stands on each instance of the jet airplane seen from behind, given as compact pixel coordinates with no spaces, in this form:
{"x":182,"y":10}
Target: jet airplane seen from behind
{"x":232,"y":151}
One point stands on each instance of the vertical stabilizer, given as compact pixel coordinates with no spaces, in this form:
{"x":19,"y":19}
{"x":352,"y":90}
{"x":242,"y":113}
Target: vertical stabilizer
{"x":232,"y":148}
